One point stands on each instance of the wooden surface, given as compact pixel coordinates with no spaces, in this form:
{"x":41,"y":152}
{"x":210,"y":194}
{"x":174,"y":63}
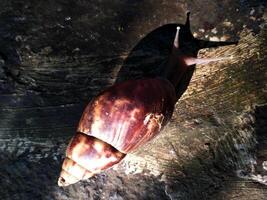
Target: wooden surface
{"x":57,"y":55}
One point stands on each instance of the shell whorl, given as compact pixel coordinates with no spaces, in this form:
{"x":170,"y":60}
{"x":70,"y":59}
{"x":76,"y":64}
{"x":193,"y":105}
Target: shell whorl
{"x":85,"y":156}
{"x":129,"y":114}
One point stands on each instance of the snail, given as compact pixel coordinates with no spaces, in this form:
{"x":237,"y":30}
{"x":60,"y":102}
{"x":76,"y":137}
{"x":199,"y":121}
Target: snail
{"x":127,"y":115}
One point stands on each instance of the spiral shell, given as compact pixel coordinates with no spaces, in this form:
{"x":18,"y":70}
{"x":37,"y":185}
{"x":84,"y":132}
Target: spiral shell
{"x":120,"y":119}
{"x":129,"y":114}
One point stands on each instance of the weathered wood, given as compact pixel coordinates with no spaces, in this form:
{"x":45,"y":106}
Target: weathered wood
{"x":56,"y":56}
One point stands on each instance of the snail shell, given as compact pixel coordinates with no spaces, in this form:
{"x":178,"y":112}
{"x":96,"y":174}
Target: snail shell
{"x":120,"y":119}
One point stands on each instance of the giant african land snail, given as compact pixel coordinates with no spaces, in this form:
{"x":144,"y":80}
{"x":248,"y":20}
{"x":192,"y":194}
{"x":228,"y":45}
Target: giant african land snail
{"x":128,"y":114}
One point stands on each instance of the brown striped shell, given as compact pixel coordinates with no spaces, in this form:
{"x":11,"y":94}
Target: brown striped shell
{"x":86,"y":156}
{"x":120,"y":119}
{"x":129,"y":114}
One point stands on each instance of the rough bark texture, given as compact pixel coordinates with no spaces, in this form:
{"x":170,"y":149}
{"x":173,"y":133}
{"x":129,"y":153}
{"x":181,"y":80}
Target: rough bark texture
{"x":56,"y":55}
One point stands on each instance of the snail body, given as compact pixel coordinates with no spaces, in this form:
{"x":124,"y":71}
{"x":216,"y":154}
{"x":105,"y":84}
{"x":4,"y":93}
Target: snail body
{"x":126,"y":116}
